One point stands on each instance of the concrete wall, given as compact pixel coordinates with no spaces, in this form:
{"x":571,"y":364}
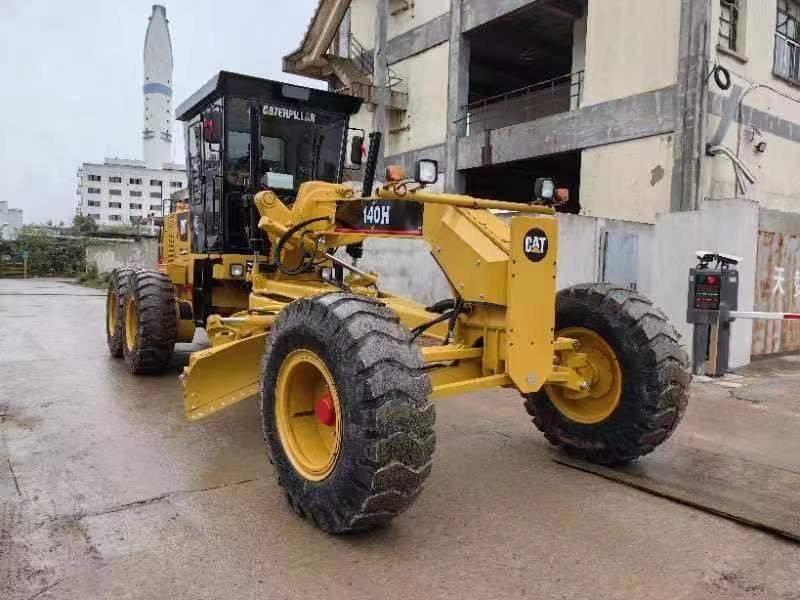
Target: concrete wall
{"x":108,"y":255}
{"x":629,"y":181}
{"x":362,"y":21}
{"x":578,"y":56}
{"x":632,"y":47}
{"x":729,"y":226}
{"x":588,"y":251}
{"x":776,"y":116}
{"x":406,"y":267}
{"x":425,"y":75}
{"x":422,"y":12}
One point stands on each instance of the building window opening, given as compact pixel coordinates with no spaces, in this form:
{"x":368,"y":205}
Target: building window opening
{"x":526,"y":66}
{"x":787,"y":41}
{"x":729,"y":24}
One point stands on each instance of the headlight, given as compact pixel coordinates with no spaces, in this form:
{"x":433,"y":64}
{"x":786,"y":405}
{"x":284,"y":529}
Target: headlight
{"x":237,"y":270}
{"x":427,"y":171}
{"x":544,"y":189}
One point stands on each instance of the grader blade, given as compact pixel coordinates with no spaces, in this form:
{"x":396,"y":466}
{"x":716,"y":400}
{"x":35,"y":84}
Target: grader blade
{"x":221,"y":376}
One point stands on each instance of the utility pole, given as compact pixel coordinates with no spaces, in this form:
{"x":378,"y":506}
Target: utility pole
{"x":381,"y":79}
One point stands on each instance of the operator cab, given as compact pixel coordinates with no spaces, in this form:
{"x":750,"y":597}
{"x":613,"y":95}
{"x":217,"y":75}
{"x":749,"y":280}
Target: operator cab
{"x":244,"y":135}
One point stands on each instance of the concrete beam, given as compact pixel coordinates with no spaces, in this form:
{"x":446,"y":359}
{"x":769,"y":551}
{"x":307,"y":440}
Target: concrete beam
{"x":480,"y":12}
{"x":419,"y":39}
{"x":727,"y":107}
{"x":689,"y":146}
{"x":643,"y":115}
{"x":408,"y":159}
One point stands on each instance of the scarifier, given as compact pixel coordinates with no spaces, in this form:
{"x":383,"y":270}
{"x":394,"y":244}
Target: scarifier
{"x":346,"y":371}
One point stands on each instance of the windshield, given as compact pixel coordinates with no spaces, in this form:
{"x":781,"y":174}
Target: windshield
{"x":296,"y":146}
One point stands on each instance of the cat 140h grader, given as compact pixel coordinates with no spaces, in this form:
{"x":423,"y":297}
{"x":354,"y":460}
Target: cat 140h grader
{"x":346,"y":371}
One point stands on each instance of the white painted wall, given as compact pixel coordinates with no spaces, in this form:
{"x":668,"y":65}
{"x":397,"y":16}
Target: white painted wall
{"x":406,"y":267}
{"x":631,"y":47}
{"x":421,"y":12}
{"x":362,"y":21}
{"x":578,"y":57}
{"x":729,"y":226}
{"x":629,"y":181}
{"x":426,"y":76}
{"x":778,"y":186}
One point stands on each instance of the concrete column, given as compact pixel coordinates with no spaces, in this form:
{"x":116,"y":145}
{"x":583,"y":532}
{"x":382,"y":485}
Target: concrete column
{"x":381,"y":80}
{"x":689,"y":147}
{"x":457,"y":95}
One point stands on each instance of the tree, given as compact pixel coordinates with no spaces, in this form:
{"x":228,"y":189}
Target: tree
{"x":84,"y":225}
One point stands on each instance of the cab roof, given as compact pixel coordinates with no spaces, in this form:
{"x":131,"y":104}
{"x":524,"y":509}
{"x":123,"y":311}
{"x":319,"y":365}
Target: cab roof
{"x":226,"y":83}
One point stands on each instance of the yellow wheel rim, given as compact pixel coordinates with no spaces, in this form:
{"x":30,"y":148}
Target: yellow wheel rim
{"x":603,"y":374}
{"x":131,"y":323}
{"x":308,"y":415}
{"x":111,"y":313}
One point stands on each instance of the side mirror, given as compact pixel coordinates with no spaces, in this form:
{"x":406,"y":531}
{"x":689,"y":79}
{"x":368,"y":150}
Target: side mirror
{"x":212,"y":127}
{"x":426,"y":171}
{"x":356,"y":150}
{"x":544,"y":189}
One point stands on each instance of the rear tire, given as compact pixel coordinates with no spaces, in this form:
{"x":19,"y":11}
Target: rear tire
{"x":386,"y":438}
{"x":150,"y":322}
{"x":115,"y":300}
{"x":655,"y":379}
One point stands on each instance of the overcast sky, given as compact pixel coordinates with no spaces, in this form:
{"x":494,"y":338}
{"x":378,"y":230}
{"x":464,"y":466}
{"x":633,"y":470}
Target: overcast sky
{"x":71,"y":80}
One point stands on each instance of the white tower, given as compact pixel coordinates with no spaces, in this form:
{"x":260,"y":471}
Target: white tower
{"x":157,"y":135}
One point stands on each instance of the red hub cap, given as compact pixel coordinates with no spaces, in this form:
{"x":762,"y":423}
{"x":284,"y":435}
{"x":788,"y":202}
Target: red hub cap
{"x":324,"y":409}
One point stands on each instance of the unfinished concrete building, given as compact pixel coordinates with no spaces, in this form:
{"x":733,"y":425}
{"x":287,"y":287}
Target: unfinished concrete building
{"x":675,"y":124}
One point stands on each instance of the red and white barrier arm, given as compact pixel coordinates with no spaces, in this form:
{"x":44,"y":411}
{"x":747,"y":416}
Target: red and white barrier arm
{"x":767,"y":316}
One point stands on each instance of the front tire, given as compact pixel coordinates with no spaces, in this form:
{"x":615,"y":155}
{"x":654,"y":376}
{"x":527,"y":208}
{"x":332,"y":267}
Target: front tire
{"x":150,"y":322}
{"x":347,"y":421}
{"x":626,"y":338}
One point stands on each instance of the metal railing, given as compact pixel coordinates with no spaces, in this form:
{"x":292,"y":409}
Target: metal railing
{"x":787,"y":58}
{"x":542,"y":99}
{"x":364,"y":61}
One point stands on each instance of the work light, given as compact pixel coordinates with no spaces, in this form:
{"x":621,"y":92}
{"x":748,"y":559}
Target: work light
{"x":426,"y":172}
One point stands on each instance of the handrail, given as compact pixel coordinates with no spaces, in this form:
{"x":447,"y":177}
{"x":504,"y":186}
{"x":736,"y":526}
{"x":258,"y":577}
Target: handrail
{"x":363,"y":60}
{"x":526,"y":89}
{"x":544,"y":98}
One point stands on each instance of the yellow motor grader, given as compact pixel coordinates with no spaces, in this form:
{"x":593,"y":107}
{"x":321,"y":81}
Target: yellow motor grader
{"x":264,"y":257}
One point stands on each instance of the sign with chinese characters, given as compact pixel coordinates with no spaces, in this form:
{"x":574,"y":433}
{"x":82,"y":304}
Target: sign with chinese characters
{"x":777,"y":290}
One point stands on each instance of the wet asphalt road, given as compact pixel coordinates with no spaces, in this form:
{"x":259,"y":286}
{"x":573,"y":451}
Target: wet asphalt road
{"x":108,"y":493}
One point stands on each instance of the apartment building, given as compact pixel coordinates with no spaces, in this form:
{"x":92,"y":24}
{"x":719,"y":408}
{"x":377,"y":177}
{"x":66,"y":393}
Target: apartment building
{"x":10,"y":221}
{"x":675,"y":125}
{"x":126,"y":192}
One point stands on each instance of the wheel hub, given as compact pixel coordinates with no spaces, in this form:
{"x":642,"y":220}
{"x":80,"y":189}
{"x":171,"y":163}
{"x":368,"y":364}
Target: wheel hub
{"x":131,"y":324}
{"x":602,"y":374}
{"x":111,"y":313}
{"x":308,"y":415}
{"x":324,"y":409}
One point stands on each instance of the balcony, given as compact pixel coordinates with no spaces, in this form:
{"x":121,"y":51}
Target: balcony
{"x":542,"y":99}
